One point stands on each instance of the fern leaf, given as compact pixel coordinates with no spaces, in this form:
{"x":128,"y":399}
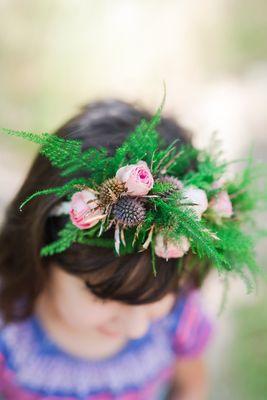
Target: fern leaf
{"x":58,"y":191}
{"x":67,"y":236}
{"x":140,"y":144}
{"x":99,"y":242}
{"x":61,"y":152}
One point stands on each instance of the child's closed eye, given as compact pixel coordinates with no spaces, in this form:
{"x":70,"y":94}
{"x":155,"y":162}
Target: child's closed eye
{"x":94,"y":298}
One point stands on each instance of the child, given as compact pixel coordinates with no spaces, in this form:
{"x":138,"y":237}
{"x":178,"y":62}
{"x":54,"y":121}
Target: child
{"x":84,"y":323}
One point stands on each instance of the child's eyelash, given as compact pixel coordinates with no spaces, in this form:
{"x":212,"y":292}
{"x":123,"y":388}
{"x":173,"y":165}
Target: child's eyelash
{"x":101,"y":301}
{"x":97,"y":299}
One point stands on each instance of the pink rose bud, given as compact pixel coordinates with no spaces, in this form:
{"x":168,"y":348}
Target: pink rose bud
{"x":219,"y":183}
{"x":198,"y":197}
{"x":137,"y":177}
{"x":166,"y":248}
{"x":84,"y":215}
{"x":221,"y":205}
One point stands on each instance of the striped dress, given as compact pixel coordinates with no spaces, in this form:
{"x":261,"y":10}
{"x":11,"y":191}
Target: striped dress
{"x":33,"y":367}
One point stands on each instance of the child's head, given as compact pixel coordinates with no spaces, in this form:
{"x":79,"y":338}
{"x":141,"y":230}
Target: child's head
{"x":122,"y":281}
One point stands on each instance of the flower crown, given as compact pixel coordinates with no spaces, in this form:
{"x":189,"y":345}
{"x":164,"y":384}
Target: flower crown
{"x":173,"y":201}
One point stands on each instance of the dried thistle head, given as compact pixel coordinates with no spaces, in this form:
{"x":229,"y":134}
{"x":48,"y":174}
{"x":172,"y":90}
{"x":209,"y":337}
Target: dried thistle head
{"x":110,"y":191}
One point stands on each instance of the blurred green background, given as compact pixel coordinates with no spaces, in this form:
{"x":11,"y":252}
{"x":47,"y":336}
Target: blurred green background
{"x":57,"y":55}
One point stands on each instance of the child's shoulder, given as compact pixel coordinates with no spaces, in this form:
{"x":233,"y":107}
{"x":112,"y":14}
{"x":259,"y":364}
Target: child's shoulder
{"x":189,"y":325}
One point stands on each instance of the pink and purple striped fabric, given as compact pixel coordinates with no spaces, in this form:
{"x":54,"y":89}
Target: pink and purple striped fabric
{"x":33,"y":367}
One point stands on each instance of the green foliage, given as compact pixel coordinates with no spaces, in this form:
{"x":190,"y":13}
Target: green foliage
{"x":62,"y":153}
{"x":186,"y":161}
{"x":223,"y":242}
{"x":71,"y":234}
{"x":141,"y":144}
{"x":94,"y":162}
{"x":162,"y":157}
{"x":66,"y":154}
{"x":131,"y":246}
{"x":248,"y":189}
{"x":160,"y":187}
{"x":99,"y":242}
{"x":237,"y":246}
{"x":59,"y":191}
{"x":66,"y":237}
{"x":174,"y":220}
{"x":208,"y":170}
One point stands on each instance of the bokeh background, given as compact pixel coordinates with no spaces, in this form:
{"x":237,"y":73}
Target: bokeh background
{"x":57,"y":55}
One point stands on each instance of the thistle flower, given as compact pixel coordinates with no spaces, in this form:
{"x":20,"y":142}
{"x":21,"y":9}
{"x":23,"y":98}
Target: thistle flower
{"x":129,"y":211}
{"x":110,"y":191}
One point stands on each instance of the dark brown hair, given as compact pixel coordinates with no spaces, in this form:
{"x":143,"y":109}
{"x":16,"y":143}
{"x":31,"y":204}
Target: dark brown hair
{"x":23,"y":273}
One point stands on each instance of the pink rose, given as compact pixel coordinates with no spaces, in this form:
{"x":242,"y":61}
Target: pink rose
{"x":221,"y":205}
{"x":137,"y":177}
{"x":166,"y":248}
{"x":198,"y":197}
{"x":84,"y":215}
{"x":219,"y":183}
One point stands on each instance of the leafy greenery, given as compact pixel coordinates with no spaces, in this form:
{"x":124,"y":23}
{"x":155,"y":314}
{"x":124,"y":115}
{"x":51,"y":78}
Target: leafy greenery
{"x":69,"y":187}
{"x":174,"y":220}
{"x":248,"y":190}
{"x":208,"y":170}
{"x":228,"y":243}
{"x":187,"y":160}
{"x":68,"y":235}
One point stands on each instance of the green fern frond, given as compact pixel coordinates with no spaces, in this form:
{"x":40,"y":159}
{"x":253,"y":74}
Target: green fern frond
{"x":62,"y":153}
{"x":175,"y":221}
{"x":40,"y":138}
{"x":202,"y":240}
{"x":208,"y":170}
{"x":95,"y":162}
{"x":98,"y":242}
{"x":248,"y":190}
{"x":67,"y":155}
{"x":220,"y":242}
{"x":59,"y":191}
{"x":185,"y":162}
{"x":140,"y":144}
{"x":67,"y":236}
{"x":236,"y":245}
{"x":162,"y":158}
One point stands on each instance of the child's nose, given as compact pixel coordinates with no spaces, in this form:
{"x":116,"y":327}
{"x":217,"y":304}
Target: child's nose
{"x":136,"y":322}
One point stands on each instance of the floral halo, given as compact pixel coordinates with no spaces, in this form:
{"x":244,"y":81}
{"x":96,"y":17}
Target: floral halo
{"x":173,"y":201}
